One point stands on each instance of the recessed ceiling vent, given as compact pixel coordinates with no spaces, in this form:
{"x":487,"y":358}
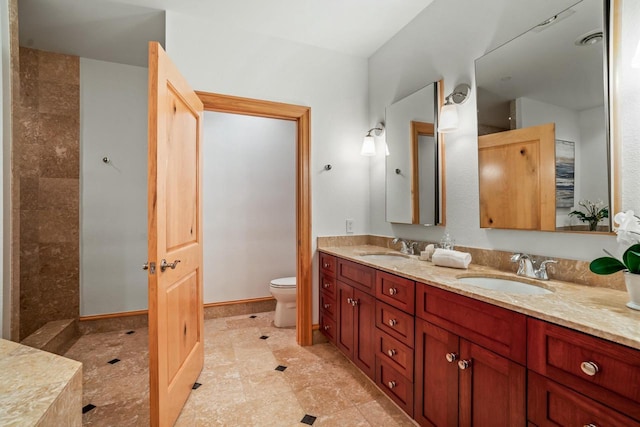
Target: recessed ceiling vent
{"x":590,"y":39}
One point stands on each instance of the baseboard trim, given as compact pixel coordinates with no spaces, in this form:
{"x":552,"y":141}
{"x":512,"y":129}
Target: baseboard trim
{"x":113,"y":315}
{"x":239,"y":301}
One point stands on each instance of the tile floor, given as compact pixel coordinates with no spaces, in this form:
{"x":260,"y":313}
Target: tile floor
{"x":246,"y":380}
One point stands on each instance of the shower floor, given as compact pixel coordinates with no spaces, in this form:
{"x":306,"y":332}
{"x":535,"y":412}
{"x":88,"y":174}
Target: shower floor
{"x":247,"y":380}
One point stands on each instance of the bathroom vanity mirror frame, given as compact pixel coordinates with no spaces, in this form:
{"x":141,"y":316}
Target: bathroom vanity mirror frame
{"x":415,"y":181}
{"x":610,"y":54}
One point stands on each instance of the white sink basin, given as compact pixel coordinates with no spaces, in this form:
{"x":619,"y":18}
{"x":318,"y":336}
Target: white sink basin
{"x":504,"y":285}
{"x":384,"y":257}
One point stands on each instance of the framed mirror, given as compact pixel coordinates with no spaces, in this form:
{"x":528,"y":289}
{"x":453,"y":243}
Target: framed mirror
{"x":414,"y":163}
{"x":543,"y":125}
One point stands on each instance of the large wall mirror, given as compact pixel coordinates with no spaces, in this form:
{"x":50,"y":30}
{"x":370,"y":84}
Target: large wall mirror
{"x":414,"y":164}
{"x":543,"y":127}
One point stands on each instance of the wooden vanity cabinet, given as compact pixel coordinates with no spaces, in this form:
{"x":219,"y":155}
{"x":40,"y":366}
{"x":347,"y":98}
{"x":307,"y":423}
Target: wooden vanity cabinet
{"x":592,"y":377}
{"x":458,"y":381}
{"x":355,"y":315}
{"x":328,"y":307}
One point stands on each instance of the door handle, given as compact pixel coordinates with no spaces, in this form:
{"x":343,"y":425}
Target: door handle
{"x":172,"y":265}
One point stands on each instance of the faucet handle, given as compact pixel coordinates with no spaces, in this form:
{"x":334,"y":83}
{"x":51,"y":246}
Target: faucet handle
{"x":519,"y":256}
{"x":542,"y":270}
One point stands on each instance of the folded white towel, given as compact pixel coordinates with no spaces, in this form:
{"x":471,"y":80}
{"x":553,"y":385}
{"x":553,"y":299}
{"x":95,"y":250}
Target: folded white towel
{"x":451,"y":258}
{"x":427,"y":253}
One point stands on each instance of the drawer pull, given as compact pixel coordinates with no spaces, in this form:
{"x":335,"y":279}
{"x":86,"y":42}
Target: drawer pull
{"x":391,"y":384}
{"x":589,"y":368}
{"x":391,"y":352}
{"x":327,"y":327}
{"x":590,"y":425}
{"x":451,"y":357}
{"x":326,"y":285}
{"x":464,"y":364}
{"x":393,"y":322}
{"x":327,"y":305}
{"x":393,"y":291}
{"x":325,"y":265}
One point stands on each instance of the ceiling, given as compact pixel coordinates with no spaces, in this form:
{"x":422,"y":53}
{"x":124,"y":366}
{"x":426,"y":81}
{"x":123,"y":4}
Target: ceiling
{"x":118,"y":31}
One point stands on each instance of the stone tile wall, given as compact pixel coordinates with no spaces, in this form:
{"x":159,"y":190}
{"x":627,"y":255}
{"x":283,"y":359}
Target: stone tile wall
{"x":47,"y":150}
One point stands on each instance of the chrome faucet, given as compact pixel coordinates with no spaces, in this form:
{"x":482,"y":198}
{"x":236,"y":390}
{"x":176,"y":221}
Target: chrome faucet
{"x":526,"y":267}
{"x":408,"y":247}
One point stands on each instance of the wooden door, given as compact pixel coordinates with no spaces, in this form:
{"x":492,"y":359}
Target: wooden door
{"x":363,"y":333}
{"x":492,"y":389}
{"x":344,"y":337}
{"x":518,"y":179}
{"x":176,"y":348}
{"x":436,"y":384}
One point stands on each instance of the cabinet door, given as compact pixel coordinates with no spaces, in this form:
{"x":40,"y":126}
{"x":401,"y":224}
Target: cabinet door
{"x":344,"y":336}
{"x":436,"y":383}
{"x":492,"y":388}
{"x":551,"y":404}
{"x":363,"y":330}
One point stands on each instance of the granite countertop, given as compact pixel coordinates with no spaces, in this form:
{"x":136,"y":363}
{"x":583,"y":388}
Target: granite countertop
{"x":31,"y":382}
{"x":597,"y":311}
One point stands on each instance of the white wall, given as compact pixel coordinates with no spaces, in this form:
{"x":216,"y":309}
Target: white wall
{"x":113,"y":234}
{"x":249,"y":187}
{"x":419,"y":54}
{"x":593,"y":180}
{"x":5,"y":129}
{"x":231,"y":61}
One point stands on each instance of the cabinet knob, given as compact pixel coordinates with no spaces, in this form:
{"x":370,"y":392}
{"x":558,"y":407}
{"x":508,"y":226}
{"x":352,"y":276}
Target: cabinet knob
{"x":327,"y":305}
{"x":451,"y":357}
{"x":354,"y":302}
{"x":391,"y":384}
{"x":349,"y":301}
{"x":393,"y":291}
{"x":392,"y":322}
{"x":391,"y":352}
{"x":327,"y":327}
{"x":326,"y":285}
{"x":325,"y":265}
{"x":589,"y":368}
{"x":590,"y":425}
{"x":464,"y":364}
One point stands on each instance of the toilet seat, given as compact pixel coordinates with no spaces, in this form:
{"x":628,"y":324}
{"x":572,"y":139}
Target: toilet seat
{"x":284,"y":282}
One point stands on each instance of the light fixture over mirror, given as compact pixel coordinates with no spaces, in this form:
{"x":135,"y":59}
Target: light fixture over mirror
{"x":449,"y":112}
{"x":368,"y":144}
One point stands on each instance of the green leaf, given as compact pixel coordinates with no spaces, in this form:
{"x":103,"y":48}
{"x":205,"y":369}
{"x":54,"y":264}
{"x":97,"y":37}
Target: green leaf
{"x":631,"y":258}
{"x":606,"y":265}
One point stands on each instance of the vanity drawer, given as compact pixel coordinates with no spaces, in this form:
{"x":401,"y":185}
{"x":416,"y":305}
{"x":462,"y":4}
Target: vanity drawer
{"x":328,"y":303}
{"x":551,"y":404}
{"x":328,"y":327}
{"x":396,"y":323}
{"x":396,"y":386}
{"x":394,"y":353}
{"x":495,"y":328}
{"x":328,"y":264}
{"x":602,"y":369}
{"x":328,"y":285}
{"x":396,"y":291}
{"x":357,"y":275}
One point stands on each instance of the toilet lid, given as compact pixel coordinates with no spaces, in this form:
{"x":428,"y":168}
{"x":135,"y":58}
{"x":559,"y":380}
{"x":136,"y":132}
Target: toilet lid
{"x":284,"y":282}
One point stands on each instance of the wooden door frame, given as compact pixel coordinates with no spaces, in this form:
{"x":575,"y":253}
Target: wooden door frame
{"x":302,"y":116}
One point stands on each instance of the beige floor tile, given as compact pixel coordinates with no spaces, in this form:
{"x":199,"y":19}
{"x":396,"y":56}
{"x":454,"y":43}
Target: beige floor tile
{"x":240,"y":386}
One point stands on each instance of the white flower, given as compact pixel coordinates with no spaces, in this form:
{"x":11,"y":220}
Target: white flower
{"x":628,"y":229}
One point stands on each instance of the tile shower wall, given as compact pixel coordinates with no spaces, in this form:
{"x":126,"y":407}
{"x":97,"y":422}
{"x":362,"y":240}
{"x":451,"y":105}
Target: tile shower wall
{"x":47,"y":149}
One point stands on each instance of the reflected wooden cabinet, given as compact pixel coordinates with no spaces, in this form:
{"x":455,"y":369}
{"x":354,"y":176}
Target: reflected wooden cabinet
{"x":518,"y":179}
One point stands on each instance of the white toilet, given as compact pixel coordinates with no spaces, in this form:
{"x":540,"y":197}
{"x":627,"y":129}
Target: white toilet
{"x":284,"y":291}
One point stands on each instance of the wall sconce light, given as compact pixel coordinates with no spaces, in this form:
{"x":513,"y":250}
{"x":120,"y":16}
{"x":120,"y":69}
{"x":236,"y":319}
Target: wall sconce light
{"x":635,"y":61}
{"x":448,"y":119}
{"x":368,"y":144}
